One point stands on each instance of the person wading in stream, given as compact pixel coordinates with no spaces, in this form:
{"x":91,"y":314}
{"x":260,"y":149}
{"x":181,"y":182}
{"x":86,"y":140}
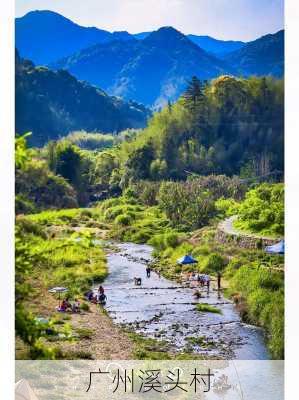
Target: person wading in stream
{"x":208,"y":284}
{"x":218,"y":281}
{"x":148,"y":272}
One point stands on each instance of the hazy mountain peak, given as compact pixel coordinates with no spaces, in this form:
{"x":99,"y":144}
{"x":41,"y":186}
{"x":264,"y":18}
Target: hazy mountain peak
{"x":166,"y":34}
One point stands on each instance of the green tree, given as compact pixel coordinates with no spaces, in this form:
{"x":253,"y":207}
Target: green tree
{"x":215,"y":264}
{"x":68,"y":162}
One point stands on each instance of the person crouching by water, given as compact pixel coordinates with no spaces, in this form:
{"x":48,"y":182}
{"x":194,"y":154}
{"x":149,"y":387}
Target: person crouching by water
{"x":101,"y":297}
{"x":65,"y":305}
{"x":101,"y":290}
{"x":76,"y":306}
{"x":148,"y":272}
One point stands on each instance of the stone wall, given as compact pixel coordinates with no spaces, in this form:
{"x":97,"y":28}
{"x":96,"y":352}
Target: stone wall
{"x":244,"y":241}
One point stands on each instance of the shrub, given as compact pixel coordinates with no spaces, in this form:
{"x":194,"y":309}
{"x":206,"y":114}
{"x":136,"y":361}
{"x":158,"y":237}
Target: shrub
{"x":84,"y":333}
{"x":226,"y":207}
{"x":214,"y":263}
{"x":23,"y":205}
{"x":123,"y":219}
{"x":262,"y":211}
{"x":171,"y":239}
{"x":142,"y":236}
{"x":84,"y":306}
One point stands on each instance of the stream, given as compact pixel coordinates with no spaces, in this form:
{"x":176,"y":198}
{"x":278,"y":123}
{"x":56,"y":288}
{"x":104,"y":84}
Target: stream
{"x":165,"y":310}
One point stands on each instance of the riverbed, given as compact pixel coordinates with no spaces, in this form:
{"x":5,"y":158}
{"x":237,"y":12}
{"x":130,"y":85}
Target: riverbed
{"x":165,"y":310}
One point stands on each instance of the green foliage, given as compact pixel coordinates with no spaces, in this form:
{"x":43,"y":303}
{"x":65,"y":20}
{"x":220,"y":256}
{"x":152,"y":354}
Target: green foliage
{"x":53,"y":103}
{"x":133,"y":222}
{"x":139,"y":161}
{"x":91,"y":141}
{"x":226,"y":207}
{"x":23,"y":205}
{"x":204,"y":307}
{"x":84,"y":306}
{"x":22,"y":154}
{"x":84,"y":333}
{"x":36,"y":186}
{"x":166,"y":240}
{"x":215,"y":128}
{"x":215,"y":263}
{"x":68,"y":161}
{"x":123,"y":219}
{"x":262,"y":211}
{"x":263,"y":294}
{"x":74,"y":262}
{"x":186,"y":204}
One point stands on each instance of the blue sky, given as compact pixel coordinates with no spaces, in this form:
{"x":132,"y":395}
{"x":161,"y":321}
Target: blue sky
{"x":223,"y":19}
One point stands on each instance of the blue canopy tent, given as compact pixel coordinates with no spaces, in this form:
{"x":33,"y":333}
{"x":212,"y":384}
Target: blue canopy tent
{"x":277,"y":248}
{"x":186,"y":260}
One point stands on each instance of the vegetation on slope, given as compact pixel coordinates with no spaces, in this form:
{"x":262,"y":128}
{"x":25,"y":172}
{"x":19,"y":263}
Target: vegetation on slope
{"x":51,"y":104}
{"x":262,"y":211}
{"x":45,"y":259}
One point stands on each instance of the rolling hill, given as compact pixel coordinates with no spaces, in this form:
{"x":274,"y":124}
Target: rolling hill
{"x":50,"y":104}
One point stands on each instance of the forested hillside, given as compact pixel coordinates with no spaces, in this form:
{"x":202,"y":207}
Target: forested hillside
{"x":264,"y":56}
{"x":151,"y":71}
{"x":231,"y":126}
{"x":51,"y":104}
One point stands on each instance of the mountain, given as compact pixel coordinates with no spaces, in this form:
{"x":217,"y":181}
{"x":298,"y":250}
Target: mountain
{"x":46,"y":36}
{"x":141,"y":35}
{"x":99,"y":64}
{"x":151,"y":71}
{"x":50,"y":104}
{"x":214,"y":46}
{"x":149,"y":67}
{"x":264,"y":56}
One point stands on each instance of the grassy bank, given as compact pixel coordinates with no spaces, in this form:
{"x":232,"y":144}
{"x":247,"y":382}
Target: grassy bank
{"x":47,"y":257}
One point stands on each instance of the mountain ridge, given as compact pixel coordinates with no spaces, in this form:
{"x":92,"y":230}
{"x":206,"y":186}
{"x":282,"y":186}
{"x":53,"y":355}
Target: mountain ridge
{"x":151,"y":71}
{"x":151,"y":67}
{"x":263,"y":56}
{"x":34,"y":24}
{"x":44,"y":36}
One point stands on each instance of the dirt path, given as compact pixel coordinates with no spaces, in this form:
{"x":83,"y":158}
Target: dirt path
{"x":107,"y":341}
{"x":227,"y":226}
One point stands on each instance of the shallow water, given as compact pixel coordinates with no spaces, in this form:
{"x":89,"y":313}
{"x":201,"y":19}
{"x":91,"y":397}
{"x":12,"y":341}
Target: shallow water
{"x":165,"y":310}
